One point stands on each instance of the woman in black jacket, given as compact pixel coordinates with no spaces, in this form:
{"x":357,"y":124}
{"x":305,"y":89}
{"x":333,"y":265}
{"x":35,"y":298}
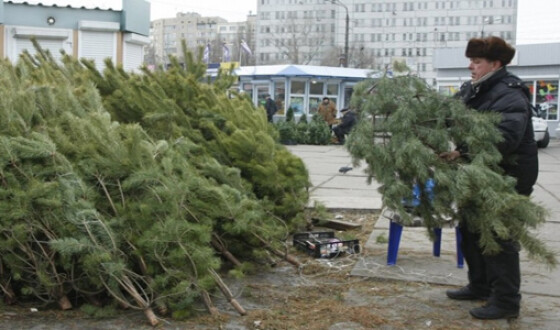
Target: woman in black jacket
{"x":497,"y":278}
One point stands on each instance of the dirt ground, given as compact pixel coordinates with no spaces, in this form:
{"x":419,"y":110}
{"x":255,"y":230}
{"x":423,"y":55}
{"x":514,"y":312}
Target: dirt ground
{"x":320,"y":294}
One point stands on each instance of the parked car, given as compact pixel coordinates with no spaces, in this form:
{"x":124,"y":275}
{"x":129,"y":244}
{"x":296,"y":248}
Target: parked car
{"x":540,"y":128}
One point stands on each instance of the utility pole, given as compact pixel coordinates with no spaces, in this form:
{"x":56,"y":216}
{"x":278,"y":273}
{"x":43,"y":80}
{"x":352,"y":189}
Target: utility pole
{"x":346,"y":35}
{"x":346,"y":31}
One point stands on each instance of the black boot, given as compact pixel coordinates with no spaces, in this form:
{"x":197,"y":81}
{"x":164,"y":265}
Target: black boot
{"x":493,"y":312}
{"x":465,"y":293}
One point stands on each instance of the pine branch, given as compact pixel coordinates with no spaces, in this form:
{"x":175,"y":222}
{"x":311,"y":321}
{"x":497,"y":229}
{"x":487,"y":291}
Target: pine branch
{"x":100,"y":180}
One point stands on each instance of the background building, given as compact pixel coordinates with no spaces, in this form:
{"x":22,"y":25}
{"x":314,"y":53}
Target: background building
{"x":300,"y":87}
{"x":379,"y":32}
{"x":223,"y":37}
{"x":94,"y":34}
{"x":298,"y":32}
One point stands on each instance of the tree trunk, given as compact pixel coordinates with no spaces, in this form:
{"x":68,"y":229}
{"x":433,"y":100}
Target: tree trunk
{"x":220,"y":247}
{"x":208,"y":302}
{"x":64,"y":303}
{"x":285,"y":256}
{"x":227,"y":293}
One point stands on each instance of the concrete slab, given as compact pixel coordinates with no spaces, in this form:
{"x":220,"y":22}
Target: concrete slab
{"x":548,"y":178}
{"x":350,"y":182}
{"x":415,"y":261}
{"x":350,"y":203}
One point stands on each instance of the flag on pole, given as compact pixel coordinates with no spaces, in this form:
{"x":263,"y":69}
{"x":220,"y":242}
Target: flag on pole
{"x":206,"y":55}
{"x":226,"y":57}
{"x":246,"y":48}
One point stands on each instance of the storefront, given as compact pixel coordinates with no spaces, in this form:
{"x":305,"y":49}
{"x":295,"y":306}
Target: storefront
{"x":300,"y":87}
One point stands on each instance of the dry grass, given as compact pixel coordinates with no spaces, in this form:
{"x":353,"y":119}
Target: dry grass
{"x":319,"y":295}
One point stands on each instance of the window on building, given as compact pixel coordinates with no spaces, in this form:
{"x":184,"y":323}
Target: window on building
{"x":546,"y":98}
{"x":280,"y":95}
{"x":316,"y":87}
{"x":449,"y":90}
{"x":332,"y":89}
{"x":297,"y":87}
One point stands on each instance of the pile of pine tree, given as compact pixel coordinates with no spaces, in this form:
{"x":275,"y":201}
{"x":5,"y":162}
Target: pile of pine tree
{"x":404,"y":127}
{"x":133,"y":190}
{"x":314,"y":132}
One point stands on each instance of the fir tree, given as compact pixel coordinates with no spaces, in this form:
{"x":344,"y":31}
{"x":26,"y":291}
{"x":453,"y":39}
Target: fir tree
{"x":129,"y":209}
{"x":318,"y":132}
{"x":288,"y":131}
{"x":405,"y":125}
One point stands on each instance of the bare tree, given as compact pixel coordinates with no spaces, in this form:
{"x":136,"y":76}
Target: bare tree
{"x":150,"y":57}
{"x":358,"y":57}
{"x":300,"y":41}
{"x":248,"y":36}
{"x":361,"y":58}
{"x":331,"y":57}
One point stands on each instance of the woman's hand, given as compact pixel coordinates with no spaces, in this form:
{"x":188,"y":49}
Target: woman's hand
{"x":450,"y":155}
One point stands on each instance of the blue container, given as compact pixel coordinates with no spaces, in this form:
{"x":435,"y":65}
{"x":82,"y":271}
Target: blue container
{"x":417,"y":193}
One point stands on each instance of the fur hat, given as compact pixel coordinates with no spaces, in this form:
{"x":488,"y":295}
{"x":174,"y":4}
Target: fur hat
{"x":491,"y":48}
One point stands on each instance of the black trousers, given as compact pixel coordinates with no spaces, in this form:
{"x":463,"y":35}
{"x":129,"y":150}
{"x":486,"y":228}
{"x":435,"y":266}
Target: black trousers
{"x":496,"y":276}
{"x":340,"y":134}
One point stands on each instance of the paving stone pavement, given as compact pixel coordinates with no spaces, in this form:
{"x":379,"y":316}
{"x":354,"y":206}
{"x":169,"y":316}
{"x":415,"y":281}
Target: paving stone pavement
{"x":350,"y":190}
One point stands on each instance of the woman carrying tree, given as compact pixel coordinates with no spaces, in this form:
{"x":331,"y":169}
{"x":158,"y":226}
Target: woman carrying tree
{"x":496,"y":277}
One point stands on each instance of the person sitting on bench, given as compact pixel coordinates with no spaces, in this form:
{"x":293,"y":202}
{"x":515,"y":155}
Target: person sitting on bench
{"x":347,"y":123}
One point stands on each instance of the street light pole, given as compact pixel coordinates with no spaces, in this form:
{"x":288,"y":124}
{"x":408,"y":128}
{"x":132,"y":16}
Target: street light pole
{"x":346,"y":37}
{"x":484,"y":21}
{"x":346,"y":31}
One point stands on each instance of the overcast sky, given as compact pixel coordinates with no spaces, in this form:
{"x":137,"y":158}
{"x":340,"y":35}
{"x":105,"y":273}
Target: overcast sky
{"x":538,"y":20}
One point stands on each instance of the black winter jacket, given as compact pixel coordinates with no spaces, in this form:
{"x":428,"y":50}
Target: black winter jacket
{"x":506,"y":94}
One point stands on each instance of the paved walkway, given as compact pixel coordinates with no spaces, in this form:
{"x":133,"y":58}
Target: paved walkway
{"x":415,"y":262}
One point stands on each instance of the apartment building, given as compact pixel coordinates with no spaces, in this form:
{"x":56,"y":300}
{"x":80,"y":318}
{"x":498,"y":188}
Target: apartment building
{"x":297,"y":32}
{"x":223,"y":37}
{"x":379,"y":32}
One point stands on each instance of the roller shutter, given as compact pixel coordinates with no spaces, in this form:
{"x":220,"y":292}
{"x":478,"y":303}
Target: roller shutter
{"x":52,"y":45}
{"x":133,"y":56}
{"x":97,"y":46}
